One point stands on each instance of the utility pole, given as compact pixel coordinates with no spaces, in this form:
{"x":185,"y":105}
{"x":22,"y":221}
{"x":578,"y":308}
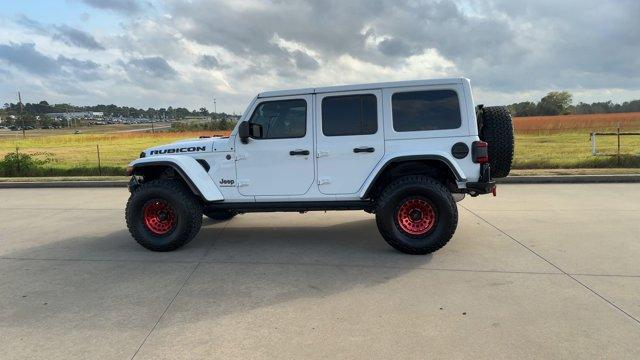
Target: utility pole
{"x":215,"y":114}
{"x":24,"y":135}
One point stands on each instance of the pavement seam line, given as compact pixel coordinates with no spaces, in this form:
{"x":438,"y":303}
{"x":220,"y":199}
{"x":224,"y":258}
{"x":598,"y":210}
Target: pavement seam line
{"x":259,"y":263}
{"x":317,"y":264}
{"x":555,"y":266}
{"x":165,"y":310}
{"x":184,"y":283}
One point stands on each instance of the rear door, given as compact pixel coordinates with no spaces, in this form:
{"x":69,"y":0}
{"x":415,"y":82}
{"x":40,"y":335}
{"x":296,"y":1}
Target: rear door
{"x":350,"y":139}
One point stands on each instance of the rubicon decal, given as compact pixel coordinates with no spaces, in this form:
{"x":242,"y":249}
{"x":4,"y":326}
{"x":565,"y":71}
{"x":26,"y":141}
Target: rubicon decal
{"x":178,"y":150}
{"x":225,"y":182}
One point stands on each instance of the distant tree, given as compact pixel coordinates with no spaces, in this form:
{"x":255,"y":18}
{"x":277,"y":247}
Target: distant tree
{"x":602,"y":107}
{"x":223,"y":124}
{"x":555,"y":103}
{"x":182,"y":113}
{"x":526,"y":108}
{"x":631,"y":106}
{"x":45,"y":121}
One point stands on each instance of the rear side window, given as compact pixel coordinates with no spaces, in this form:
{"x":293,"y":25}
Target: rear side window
{"x":281,"y":119}
{"x":426,"y":110}
{"x":349,"y":115}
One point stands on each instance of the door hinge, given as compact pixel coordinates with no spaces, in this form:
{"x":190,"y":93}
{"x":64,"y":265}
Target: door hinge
{"x":242,"y":183}
{"x":322,"y":154}
{"x":324,"y":181}
{"x":240,"y":157}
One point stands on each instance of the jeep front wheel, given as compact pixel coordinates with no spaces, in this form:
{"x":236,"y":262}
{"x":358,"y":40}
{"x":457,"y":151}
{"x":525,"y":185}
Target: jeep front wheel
{"x":416,"y":215}
{"x":163,"y":215}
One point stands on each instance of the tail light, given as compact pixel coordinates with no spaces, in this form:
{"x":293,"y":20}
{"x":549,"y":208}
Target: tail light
{"x":480,"y":152}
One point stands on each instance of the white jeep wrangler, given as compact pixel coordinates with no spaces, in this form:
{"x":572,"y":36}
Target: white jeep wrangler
{"x":400,"y":150}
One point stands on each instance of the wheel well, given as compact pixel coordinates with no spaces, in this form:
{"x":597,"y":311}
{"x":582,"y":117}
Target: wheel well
{"x":165,"y":171}
{"x":436,"y":169}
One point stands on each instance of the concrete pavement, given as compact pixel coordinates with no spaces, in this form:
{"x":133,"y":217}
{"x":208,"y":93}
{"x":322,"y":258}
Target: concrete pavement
{"x":541,"y":271}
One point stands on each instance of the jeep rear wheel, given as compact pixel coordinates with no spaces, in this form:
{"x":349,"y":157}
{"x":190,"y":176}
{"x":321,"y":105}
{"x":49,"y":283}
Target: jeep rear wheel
{"x":162,"y":215}
{"x":220,"y":215}
{"x":416,"y":215}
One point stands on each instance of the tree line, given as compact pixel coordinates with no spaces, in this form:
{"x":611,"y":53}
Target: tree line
{"x":554,"y":103}
{"x":43,"y":107}
{"x":561,"y":103}
{"x":33,"y":114}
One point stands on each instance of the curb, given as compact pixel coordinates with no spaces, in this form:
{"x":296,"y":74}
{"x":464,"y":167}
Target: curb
{"x":543,"y":179}
{"x":62,"y":184}
{"x":570,"y":179}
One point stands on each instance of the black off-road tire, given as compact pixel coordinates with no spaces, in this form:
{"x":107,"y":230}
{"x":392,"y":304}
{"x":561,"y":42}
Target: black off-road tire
{"x":497,"y":131}
{"x":186,"y":211}
{"x":220,"y":215}
{"x":421,"y":189}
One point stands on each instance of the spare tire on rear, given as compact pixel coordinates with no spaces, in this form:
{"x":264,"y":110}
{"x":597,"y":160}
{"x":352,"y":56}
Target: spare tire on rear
{"x":496,"y":128}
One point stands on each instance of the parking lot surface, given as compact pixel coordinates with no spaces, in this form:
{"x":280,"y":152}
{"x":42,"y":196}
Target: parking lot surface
{"x":541,"y":271}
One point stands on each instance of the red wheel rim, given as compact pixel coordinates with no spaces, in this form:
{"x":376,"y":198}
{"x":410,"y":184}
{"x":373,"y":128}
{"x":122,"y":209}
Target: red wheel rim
{"x":158,"y":216}
{"x":416,"y":216}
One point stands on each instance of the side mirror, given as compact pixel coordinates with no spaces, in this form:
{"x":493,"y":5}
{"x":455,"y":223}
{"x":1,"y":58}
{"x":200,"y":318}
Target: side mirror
{"x":244,"y":132}
{"x":247,"y":130}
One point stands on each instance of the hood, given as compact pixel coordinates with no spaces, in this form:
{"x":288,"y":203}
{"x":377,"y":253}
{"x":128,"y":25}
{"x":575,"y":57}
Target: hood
{"x":190,"y":146}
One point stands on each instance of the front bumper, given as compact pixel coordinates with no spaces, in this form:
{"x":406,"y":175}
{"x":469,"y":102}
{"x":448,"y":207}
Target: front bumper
{"x":484,"y":185}
{"x":133,"y":184}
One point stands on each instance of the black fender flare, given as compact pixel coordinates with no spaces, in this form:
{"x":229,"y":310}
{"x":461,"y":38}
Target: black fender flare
{"x":404,"y":158}
{"x":131,"y":171}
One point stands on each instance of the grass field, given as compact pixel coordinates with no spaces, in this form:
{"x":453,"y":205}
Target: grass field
{"x":570,"y":150}
{"x":78,"y":154}
{"x":551,"y":142}
{"x":547,"y":142}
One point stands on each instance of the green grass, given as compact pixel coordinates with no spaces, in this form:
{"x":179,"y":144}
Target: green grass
{"x":76,"y":155}
{"x":570,"y":150}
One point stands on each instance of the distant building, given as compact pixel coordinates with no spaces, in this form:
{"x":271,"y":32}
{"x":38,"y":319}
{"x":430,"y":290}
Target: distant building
{"x":76,"y":115}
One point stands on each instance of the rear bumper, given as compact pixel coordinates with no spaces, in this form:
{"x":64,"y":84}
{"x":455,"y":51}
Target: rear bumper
{"x":484,"y":185}
{"x":478,"y":188}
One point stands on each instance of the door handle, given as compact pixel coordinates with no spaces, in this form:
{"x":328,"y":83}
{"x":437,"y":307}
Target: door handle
{"x":364,"y":149}
{"x":298,"y":152}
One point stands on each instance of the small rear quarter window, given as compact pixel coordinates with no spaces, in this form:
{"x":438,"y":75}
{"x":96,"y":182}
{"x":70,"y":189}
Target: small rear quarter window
{"x":425,"y":110}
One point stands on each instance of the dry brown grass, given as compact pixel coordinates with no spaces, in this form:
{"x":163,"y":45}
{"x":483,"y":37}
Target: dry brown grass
{"x":591,"y":122}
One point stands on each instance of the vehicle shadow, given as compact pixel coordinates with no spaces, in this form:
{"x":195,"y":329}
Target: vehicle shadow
{"x":334,"y":241}
{"x":245,"y":268}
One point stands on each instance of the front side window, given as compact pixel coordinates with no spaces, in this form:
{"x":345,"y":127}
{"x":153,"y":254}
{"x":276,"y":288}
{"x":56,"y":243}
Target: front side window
{"x":349,"y":115}
{"x":281,"y":119}
{"x":426,"y":110}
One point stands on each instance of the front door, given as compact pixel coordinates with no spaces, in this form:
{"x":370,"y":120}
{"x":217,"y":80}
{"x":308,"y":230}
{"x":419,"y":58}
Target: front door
{"x":281,"y":162}
{"x":350,"y":139}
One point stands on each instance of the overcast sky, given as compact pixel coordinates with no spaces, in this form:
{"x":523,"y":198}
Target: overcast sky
{"x":158,"y":53}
